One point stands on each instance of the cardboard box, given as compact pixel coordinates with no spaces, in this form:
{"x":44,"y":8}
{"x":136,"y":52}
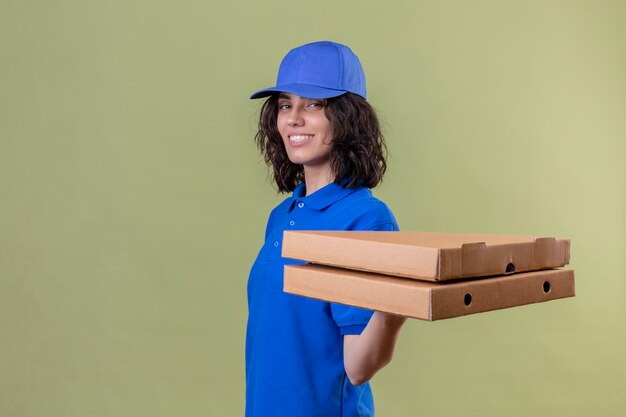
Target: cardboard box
{"x":427,"y":300}
{"x":427,"y":255}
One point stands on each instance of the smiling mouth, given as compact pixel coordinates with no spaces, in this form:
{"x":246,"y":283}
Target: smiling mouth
{"x":300,"y":138}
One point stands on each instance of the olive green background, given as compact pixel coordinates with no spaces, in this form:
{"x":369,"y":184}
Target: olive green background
{"x":133,"y":200}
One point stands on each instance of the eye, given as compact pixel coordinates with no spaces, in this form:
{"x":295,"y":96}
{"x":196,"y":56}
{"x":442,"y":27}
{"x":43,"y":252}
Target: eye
{"x":283,"y":107}
{"x":315,"y":105}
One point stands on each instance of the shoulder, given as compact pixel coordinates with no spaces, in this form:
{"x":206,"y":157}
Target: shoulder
{"x":281,"y":208}
{"x":367,"y":212}
{"x":277,"y":213}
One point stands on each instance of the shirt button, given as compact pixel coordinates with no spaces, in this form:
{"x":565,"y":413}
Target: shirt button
{"x":276,"y":244}
{"x":291,"y":223}
{"x":301,"y":204}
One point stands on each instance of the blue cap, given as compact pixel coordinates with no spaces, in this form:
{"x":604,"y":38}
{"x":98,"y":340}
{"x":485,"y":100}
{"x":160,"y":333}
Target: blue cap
{"x":319,"y":70}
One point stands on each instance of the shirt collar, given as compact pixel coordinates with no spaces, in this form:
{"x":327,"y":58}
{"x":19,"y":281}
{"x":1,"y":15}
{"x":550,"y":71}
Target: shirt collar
{"x":323,"y":197}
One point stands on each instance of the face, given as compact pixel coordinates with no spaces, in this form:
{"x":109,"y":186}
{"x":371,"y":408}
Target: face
{"x":305,"y":129}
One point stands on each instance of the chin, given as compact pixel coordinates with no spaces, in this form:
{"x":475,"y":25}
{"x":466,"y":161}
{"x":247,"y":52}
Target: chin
{"x":296,"y":159}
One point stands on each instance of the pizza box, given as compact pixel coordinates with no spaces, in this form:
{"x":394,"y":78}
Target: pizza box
{"x":427,"y":300}
{"x":429,"y":256}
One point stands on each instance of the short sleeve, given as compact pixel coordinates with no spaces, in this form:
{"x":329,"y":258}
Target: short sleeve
{"x":386,"y":226}
{"x":352,"y":320}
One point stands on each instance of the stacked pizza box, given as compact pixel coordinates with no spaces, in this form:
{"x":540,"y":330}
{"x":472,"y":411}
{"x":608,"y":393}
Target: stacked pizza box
{"x":426,"y":275}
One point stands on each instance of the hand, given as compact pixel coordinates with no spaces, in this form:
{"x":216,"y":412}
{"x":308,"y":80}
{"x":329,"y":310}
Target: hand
{"x":368,"y":352}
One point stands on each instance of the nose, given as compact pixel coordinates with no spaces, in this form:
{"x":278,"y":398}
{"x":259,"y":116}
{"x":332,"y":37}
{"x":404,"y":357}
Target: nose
{"x":295,"y":117}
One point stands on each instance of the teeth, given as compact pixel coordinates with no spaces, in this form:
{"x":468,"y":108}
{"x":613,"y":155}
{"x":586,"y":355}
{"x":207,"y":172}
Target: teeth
{"x":299,"y":138}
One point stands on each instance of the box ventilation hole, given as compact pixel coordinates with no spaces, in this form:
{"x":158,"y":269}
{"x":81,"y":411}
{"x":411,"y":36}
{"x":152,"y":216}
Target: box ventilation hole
{"x":467,"y":299}
{"x":510,"y":268}
{"x":546,"y":287}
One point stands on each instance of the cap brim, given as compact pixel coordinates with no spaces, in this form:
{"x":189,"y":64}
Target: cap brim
{"x":302,"y":90}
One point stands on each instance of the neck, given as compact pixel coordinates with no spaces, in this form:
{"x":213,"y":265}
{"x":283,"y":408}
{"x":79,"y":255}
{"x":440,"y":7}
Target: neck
{"x":316,"y":178}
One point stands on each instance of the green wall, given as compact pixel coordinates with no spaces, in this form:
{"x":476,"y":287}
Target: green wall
{"x":133,"y":200}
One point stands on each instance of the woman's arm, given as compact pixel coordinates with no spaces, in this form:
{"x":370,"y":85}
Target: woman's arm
{"x":367,"y":353}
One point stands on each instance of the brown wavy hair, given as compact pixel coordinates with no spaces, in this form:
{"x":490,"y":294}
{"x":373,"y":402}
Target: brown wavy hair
{"x":358,"y":155}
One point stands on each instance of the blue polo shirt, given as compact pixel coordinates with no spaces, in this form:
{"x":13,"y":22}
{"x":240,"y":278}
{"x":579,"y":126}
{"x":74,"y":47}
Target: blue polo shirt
{"x":294,"y":345}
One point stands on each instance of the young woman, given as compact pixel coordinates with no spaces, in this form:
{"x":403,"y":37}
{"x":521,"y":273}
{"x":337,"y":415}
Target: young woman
{"x":321,"y":137}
